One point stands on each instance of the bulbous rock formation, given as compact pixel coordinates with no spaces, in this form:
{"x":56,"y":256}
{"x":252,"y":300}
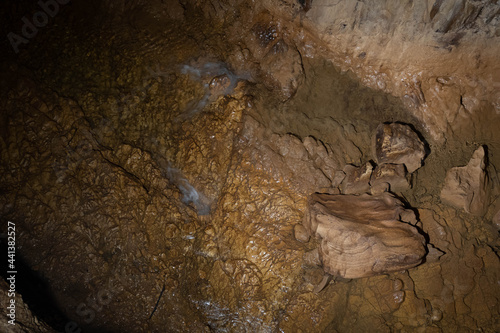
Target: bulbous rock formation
{"x":398,"y":144}
{"x":362,"y":235}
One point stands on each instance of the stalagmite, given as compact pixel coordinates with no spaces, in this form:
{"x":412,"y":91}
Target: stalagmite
{"x":467,"y":187}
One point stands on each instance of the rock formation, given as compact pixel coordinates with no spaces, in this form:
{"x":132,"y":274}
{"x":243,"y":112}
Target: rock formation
{"x":362,"y":235}
{"x":357,"y":179}
{"x":397,"y":148}
{"x":398,"y":144}
{"x":394,"y":175}
{"x":158,"y":157}
{"x":467,"y":187}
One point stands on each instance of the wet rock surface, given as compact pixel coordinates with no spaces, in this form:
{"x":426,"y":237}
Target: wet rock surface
{"x":158,"y":162}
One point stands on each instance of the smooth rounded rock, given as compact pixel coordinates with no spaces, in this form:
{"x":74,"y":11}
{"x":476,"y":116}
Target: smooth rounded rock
{"x":301,"y":233}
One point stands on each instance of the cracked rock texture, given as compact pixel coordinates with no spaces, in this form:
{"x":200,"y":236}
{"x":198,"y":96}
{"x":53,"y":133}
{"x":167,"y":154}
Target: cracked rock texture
{"x":157,"y":157}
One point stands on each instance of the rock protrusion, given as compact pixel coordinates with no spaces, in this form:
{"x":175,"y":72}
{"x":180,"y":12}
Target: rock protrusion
{"x":467,"y":187}
{"x":393,"y":174}
{"x":397,"y":143}
{"x":357,"y":179}
{"x":362,"y":235}
{"x":301,"y":234}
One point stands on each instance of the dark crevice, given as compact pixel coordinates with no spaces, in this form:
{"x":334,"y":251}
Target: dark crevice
{"x":35,"y":292}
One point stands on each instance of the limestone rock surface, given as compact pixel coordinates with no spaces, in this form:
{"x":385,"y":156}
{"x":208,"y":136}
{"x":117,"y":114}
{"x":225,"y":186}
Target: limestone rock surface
{"x":398,"y":144}
{"x":393,"y":174}
{"x":24,"y":319}
{"x":179,"y":193}
{"x":362,"y":236}
{"x":357,"y":179}
{"x":421,"y":52}
{"x":307,"y":165}
{"x":467,"y":187}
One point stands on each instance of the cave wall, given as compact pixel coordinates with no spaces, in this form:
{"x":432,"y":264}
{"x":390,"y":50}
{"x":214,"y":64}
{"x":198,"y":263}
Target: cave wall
{"x":439,"y":57}
{"x":152,"y":196}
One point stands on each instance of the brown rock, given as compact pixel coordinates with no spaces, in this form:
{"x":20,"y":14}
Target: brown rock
{"x":393,"y":174}
{"x":357,"y":179}
{"x":387,"y":293}
{"x":307,"y":166}
{"x":398,"y":144}
{"x":121,"y":218}
{"x":280,"y":63}
{"x":433,"y":254}
{"x":323,"y":159}
{"x":311,"y":258}
{"x":361,"y":235}
{"x":380,"y":188}
{"x":358,"y":208}
{"x":467,"y":187}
